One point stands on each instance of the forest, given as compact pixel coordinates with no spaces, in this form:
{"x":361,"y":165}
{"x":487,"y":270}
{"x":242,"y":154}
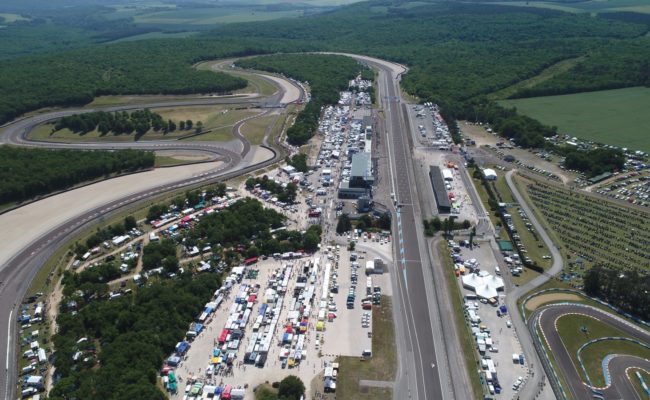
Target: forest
{"x":627,"y":291}
{"x":327,"y":75}
{"x":128,"y":339}
{"x":162,"y":67}
{"x":29,"y":172}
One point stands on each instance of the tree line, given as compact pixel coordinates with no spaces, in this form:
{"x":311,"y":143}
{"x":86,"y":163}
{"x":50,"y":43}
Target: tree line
{"x":140,"y":121}
{"x":326,"y":75}
{"x":593,"y":162}
{"x":626,"y":289}
{"x":29,"y":172}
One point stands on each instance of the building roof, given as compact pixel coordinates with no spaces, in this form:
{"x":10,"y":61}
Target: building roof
{"x":489,"y":172}
{"x":360,"y":165}
{"x":505,"y":245}
{"x":438,"y":185}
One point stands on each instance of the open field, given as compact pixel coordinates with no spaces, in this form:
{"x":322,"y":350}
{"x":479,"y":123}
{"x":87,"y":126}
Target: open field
{"x":576,"y":330}
{"x":255,"y":129}
{"x":8,"y":18}
{"x":543,"y":299}
{"x":590,"y":230}
{"x":640,"y":6}
{"x":167,"y":161}
{"x":255,"y":83}
{"x":616,"y":117}
{"x":156,"y":35}
{"x":220,"y":119}
{"x":381,"y":367}
{"x":211,"y":15}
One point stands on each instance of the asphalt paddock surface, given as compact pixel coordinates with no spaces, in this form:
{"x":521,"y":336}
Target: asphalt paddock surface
{"x":620,"y":387}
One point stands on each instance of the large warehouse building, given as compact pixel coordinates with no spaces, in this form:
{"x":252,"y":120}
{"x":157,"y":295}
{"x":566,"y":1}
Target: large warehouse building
{"x":439,"y":191}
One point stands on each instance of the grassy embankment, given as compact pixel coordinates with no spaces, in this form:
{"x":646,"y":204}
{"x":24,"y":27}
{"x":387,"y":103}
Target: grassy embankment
{"x":382,"y":365}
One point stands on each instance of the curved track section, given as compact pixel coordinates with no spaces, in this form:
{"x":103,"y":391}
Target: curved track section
{"x":18,"y":270}
{"x":545,"y":319}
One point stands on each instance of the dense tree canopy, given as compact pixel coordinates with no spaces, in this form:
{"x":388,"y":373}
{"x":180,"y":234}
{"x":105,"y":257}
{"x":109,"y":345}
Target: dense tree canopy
{"x":128,"y":339}
{"x":627,"y":290}
{"x":594,"y":162}
{"x":29,"y":172}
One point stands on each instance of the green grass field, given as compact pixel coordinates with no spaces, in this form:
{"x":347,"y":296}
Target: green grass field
{"x":218,"y":120}
{"x":598,"y":6}
{"x":212,"y":15}
{"x":573,"y":336}
{"x":618,"y":117}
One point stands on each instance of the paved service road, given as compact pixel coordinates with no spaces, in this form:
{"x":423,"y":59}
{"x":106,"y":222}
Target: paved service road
{"x":18,"y":272}
{"x":546,"y":318}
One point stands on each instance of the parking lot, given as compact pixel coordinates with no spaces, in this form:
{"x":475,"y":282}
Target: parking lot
{"x":502,"y":362}
{"x":286,"y":314}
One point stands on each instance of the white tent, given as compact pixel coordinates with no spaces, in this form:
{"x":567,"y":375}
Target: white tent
{"x":490,"y":174}
{"x":486,"y":291}
{"x":485,"y":286}
{"x":472,"y":281}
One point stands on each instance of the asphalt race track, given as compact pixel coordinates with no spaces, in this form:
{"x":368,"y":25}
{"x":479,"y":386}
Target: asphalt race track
{"x":620,"y":387}
{"x":16,"y":275}
{"x":419,"y":361}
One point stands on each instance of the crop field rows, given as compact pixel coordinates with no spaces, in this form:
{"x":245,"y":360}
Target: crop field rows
{"x":595,"y":231}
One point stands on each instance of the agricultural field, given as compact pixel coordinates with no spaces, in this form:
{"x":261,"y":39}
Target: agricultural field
{"x":639,"y":6}
{"x":6,"y":18}
{"x":617,"y":117}
{"x":589,"y":230}
{"x":211,"y":15}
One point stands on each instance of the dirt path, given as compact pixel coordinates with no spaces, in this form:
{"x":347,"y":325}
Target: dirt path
{"x":540,"y":300}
